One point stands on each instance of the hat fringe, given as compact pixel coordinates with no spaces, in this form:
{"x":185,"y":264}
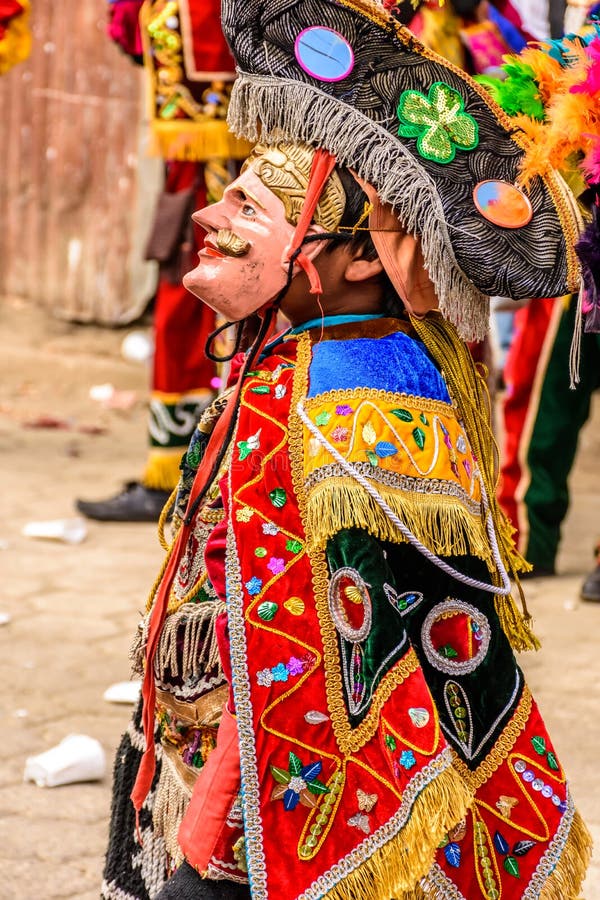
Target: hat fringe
{"x":288,"y":110}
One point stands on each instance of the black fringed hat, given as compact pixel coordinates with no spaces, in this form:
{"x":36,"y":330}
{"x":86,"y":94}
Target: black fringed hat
{"x":348,"y":76}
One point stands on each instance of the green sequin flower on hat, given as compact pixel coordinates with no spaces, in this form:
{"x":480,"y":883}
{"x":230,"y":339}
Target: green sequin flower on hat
{"x":438,"y":121}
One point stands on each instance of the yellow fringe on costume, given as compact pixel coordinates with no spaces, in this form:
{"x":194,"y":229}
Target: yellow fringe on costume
{"x":396,"y":869}
{"x":442,"y":523}
{"x":162,"y":469}
{"x":15,"y":46}
{"x":565,"y":881}
{"x":469,"y":392}
{"x":196,"y":141}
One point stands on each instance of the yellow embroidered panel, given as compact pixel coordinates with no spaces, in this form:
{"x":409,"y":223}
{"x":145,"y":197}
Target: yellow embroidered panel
{"x":412,"y":450}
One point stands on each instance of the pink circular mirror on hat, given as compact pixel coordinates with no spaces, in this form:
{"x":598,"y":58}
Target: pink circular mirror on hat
{"x":502,"y":204}
{"x":323,"y":53}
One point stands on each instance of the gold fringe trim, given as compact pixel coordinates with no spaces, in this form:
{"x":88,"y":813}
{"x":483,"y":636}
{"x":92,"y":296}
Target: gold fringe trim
{"x":516,"y":626}
{"x":162,"y":469}
{"x":396,"y":868}
{"x":196,"y":141}
{"x":441,"y":523}
{"x":170,"y":805}
{"x":468,"y":390}
{"x":188,"y":642}
{"x":567,"y":877}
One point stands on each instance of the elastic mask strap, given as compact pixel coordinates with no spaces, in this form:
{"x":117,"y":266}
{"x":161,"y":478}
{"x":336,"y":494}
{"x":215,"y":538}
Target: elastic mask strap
{"x":323,"y":165}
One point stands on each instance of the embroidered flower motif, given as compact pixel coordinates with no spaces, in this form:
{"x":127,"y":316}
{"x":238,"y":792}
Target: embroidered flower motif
{"x":461,"y":444}
{"x":407,"y":759}
{"x":339,"y":434}
{"x":280,"y":672}
{"x":438,"y":121}
{"x":264,"y":677}
{"x":276,"y":565}
{"x":344,"y":410}
{"x":295,"y":666}
{"x":280,"y":391}
{"x":254,"y":586}
{"x":246,"y":447}
{"x":322,"y":418}
{"x":270,"y":528}
{"x":298,"y":783}
{"x":244,"y":514}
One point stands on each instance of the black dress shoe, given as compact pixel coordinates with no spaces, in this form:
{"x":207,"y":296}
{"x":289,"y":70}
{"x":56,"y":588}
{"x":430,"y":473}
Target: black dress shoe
{"x":590,"y":589}
{"x":186,"y":884}
{"x":135,"y":503}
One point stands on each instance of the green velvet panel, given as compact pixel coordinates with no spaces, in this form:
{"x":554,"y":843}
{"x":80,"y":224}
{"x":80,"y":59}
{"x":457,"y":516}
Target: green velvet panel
{"x":495,"y":685}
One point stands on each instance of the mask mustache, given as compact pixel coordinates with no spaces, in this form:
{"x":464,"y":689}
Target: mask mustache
{"x":231,"y":244}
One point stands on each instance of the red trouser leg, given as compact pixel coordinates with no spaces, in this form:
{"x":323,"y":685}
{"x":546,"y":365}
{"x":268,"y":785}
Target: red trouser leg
{"x":530,"y":327}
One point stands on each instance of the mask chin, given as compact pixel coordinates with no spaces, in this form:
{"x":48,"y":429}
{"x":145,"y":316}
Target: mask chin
{"x":236,"y":294}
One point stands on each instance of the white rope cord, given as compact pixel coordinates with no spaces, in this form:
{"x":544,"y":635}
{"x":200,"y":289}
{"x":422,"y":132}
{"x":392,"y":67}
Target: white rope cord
{"x":503,"y":591}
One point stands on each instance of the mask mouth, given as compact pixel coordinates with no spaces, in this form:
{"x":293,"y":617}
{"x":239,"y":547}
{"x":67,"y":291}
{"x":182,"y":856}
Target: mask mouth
{"x":208,"y":250}
{"x":225,"y":244}
{"x":231,"y":244}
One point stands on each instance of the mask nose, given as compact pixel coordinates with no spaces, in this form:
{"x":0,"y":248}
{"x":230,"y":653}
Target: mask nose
{"x":212,"y":218}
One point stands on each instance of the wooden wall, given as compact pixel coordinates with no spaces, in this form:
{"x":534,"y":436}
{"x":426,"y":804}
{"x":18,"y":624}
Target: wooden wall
{"x":77,"y":191}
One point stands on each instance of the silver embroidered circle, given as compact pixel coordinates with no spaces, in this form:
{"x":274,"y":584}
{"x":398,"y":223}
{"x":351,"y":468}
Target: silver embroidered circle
{"x":482,"y":634}
{"x":359,"y":595}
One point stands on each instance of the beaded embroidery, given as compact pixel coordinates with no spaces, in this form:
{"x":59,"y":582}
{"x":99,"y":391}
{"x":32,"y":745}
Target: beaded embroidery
{"x":347,"y":584}
{"x":445,"y":657}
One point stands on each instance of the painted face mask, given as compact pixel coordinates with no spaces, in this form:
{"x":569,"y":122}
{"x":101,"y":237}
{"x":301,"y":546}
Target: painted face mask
{"x":243,"y":264}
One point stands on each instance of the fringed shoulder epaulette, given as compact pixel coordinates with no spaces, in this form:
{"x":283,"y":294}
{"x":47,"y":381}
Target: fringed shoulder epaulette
{"x":408,"y":444}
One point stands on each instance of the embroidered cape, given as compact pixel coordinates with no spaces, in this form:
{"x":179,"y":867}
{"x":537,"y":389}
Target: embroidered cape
{"x":388,"y":743}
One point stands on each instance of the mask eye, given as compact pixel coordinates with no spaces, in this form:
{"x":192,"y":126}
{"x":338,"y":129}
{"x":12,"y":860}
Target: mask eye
{"x":248,"y":210}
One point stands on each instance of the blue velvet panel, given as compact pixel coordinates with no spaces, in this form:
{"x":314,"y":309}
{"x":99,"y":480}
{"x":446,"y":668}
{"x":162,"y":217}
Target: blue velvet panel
{"x":395,"y":363}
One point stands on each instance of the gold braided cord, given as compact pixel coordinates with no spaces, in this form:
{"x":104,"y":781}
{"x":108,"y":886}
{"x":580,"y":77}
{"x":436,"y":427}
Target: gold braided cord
{"x":162,"y":521}
{"x":469,"y":392}
{"x":159,"y":578}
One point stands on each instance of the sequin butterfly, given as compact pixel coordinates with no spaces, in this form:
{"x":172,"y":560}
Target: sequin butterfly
{"x":366,"y":802}
{"x":505,"y":805}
